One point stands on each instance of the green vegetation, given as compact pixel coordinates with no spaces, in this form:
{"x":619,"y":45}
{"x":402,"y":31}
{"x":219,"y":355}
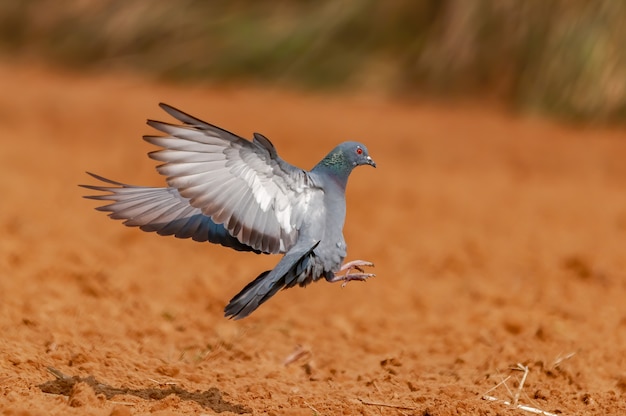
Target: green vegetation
{"x":565,"y":57}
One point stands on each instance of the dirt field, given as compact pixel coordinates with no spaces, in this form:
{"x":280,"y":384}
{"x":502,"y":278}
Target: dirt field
{"x":497,"y":240}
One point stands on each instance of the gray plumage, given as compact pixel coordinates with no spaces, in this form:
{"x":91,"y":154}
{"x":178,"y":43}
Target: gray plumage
{"x":239,"y":193}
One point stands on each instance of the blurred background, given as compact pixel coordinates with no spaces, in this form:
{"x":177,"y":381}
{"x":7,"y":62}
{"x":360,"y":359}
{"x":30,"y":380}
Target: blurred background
{"x":565,"y":58}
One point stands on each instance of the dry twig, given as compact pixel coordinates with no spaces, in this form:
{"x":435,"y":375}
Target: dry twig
{"x":298,"y":353}
{"x":515,"y":402}
{"x":310,"y":406}
{"x":163,"y":383}
{"x":393,"y":406}
{"x":523,"y":368}
{"x":560,"y":359}
{"x":59,"y":375}
{"x":497,"y":385}
{"x":520,"y":406}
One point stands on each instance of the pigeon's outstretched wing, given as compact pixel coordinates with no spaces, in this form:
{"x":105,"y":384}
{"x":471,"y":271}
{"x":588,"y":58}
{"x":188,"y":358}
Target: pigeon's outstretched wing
{"x":259,"y":198}
{"x":161,"y":210}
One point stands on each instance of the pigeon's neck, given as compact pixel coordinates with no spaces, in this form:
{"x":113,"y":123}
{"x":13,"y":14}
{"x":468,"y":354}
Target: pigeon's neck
{"x":336,"y":167}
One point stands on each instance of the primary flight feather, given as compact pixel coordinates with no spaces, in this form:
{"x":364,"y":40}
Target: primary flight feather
{"x":239,"y":193}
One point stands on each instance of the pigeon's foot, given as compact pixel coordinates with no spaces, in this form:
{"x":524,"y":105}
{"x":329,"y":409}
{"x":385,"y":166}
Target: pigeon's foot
{"x":354,"y":276}
{"x":349,"y":276}
{"x":356,"y":264}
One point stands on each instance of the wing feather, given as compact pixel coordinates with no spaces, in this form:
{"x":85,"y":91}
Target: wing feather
{"x":161,"y":210}
{"x":243,"y":185}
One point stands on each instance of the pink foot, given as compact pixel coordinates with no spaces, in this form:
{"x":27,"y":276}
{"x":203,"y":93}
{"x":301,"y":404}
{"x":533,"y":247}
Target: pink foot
{"x":349,"y":276}
{"x":356,"y":264}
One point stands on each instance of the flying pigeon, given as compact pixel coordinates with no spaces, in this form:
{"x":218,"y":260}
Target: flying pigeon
{"x":238,"y":193}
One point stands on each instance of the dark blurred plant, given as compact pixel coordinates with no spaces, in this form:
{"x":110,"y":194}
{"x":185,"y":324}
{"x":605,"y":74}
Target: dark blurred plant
{"x":561,"y":56}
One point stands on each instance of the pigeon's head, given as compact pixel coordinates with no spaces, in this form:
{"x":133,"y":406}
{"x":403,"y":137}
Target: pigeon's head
{"x":343,"y":158}
{"x":356,"y":154}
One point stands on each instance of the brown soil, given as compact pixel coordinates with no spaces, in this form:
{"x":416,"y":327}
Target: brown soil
{"x":497,"y":240}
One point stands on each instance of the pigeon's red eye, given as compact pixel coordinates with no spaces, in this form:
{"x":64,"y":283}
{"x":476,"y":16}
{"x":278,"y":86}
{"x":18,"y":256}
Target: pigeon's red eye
{"x":359,"y":151}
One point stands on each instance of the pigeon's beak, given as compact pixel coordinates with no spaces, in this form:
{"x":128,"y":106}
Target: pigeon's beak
{"x":370,"y":161}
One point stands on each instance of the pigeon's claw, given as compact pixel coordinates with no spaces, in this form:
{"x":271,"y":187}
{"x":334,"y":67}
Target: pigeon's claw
{"x":349,"y":274}
{"x":356,"y":264}
{"x":349,"y":268}
{"x":355,"y":276}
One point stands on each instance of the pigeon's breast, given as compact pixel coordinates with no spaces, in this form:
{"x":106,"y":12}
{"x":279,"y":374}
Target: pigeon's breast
{"x":332,"y":248}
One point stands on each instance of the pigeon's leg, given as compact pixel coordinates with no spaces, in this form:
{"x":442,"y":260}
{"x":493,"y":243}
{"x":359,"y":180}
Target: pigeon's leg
{"x":349,"y":275}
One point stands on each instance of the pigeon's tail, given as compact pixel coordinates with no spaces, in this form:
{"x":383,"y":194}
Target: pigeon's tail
{"x":161,"y":210}
{"x":284,"y":275}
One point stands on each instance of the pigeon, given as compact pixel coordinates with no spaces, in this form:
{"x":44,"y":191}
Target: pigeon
{"x":238,"y":193}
